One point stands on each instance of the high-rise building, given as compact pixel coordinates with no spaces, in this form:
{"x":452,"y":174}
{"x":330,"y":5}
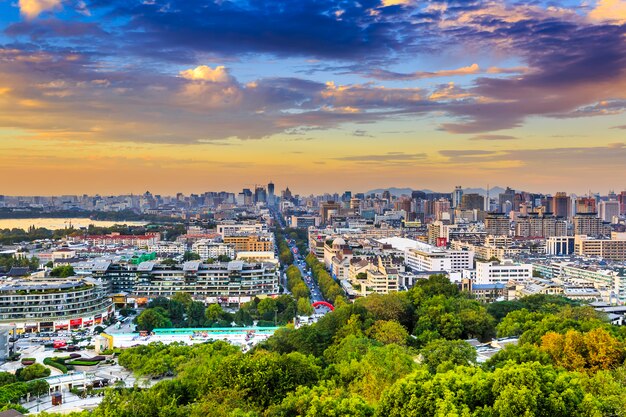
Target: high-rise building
{"x":507,"y":195}
{"x":585,"y":205}
{"x":355,"y":204}
{"x":286,"y":195}
{"x":442,"y":209}
{"x":327,"y":208}
{"x":472,"y":202}
{"x":270,"y":194}
{"x":404,"y":204}
{"x":608,"y":210}
{"x":622,"y":202}
{"x":497,"y":224}
{"x":456,"y":196}
{"x":260,"y":195}
{"x":561,"y":205}
{"x":533,"y":225}
{"x":588,"y":224}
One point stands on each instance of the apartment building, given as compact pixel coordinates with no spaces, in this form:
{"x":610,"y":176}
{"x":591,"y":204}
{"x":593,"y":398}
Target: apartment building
{"x":250,"y":242}
{"x":41,"y":305}
{"x":611,"y":249}
{"x":231,"y":282}
{"x":505,"y":271}
{"x":436,"y":259}
{"x":232,"y":228}
{"x":207,"y":249}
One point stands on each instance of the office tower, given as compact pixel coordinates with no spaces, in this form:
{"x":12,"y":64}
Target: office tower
{"x":608,"y":210}
{"x":355,"y":204}
{"x":270,"y":194}
{"x":260,"y":195}
{"x":561,"y":205}
{"x":622,"y":202}
{"x":286,"y":194}
{"x":585,"y":205}
{"x":456,"y":196}
{"x":442,"y":209}
{"x":386,"y":195}
{"x":328,"y":208}
{"x":507,"y":195}
{"x":472,"y":202}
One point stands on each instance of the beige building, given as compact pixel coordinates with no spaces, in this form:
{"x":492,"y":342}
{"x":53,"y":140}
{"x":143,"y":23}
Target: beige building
{"x":614,"y":249}
{"x":250,"y":243}
{"x":497,"y":224}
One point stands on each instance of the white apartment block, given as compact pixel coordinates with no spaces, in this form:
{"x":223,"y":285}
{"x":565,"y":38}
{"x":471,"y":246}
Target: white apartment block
{"x":168,"y":248}
{"x":435,"y":259}
{"x":234,"y":229}
{"x":212,"y":250}
{"x":494,"y":272}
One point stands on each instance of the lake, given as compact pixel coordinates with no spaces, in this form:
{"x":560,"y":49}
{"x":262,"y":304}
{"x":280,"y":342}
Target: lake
{"x":57,"y":223}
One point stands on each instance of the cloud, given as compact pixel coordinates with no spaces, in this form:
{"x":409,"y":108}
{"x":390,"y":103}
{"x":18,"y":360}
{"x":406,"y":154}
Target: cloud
{"x":493,"y":137}
{"x":417,"y":75}
{"x":361,"y":133}
{"x":619,"y":127}
{"x":387,"y":157}
{"x":204,"y":73}
{"x":45,"y":29}
{"x":609,"y":10}
{"x":387,"y":3}
{"x":458,"y":153}
{"x":610,"y":156}
{"x":33,"y":8}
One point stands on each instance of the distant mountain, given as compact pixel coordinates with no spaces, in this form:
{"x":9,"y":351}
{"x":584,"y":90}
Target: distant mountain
{"x":493,"y":191}
{"x":395,"y":191}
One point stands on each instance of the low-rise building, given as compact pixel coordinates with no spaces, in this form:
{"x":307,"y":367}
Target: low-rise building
{"x":505,"y":271}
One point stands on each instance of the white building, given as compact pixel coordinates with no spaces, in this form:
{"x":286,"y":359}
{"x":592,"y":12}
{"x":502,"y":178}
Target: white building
{"x":167,"y":248}
{"x":232,"y":229}
{"x":493,"y":272}
{"x":608,"y":210}
{"x":436,"y":259}
{"x":212,"y":250}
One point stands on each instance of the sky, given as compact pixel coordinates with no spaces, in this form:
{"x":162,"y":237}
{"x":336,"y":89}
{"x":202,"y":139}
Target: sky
{"x":121,"y":96}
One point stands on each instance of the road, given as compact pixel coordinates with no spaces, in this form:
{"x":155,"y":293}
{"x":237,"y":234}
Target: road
{"x":298,"y":261}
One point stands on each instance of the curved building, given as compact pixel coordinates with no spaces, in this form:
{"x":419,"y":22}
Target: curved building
{"x":46,"y":306}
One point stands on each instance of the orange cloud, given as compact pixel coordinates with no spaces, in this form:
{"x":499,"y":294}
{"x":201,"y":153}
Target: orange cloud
{"x":204,"y":73}
{"x":609,"y":10}
{"x":33,"y":8}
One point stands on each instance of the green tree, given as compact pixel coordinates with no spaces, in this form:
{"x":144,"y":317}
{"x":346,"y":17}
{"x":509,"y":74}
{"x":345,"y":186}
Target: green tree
{"x":213,"y":313}
{"x":7,"y":378}
{"x":182,"y":297}
{"x":443,"y":355}
{"x":33,"y":371}
{"x":195,"y":314}
{"x":191,"y":256}
{"x":153,"y":318}
{"x":304,"y":307}
{"x":62,"y":271}
{"x":386,"y":332}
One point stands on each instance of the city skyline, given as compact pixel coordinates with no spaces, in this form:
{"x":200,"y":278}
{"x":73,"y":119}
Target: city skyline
{"x":317,"y":95}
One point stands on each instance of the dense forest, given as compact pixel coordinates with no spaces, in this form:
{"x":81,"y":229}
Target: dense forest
{"x":401,"y":354}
